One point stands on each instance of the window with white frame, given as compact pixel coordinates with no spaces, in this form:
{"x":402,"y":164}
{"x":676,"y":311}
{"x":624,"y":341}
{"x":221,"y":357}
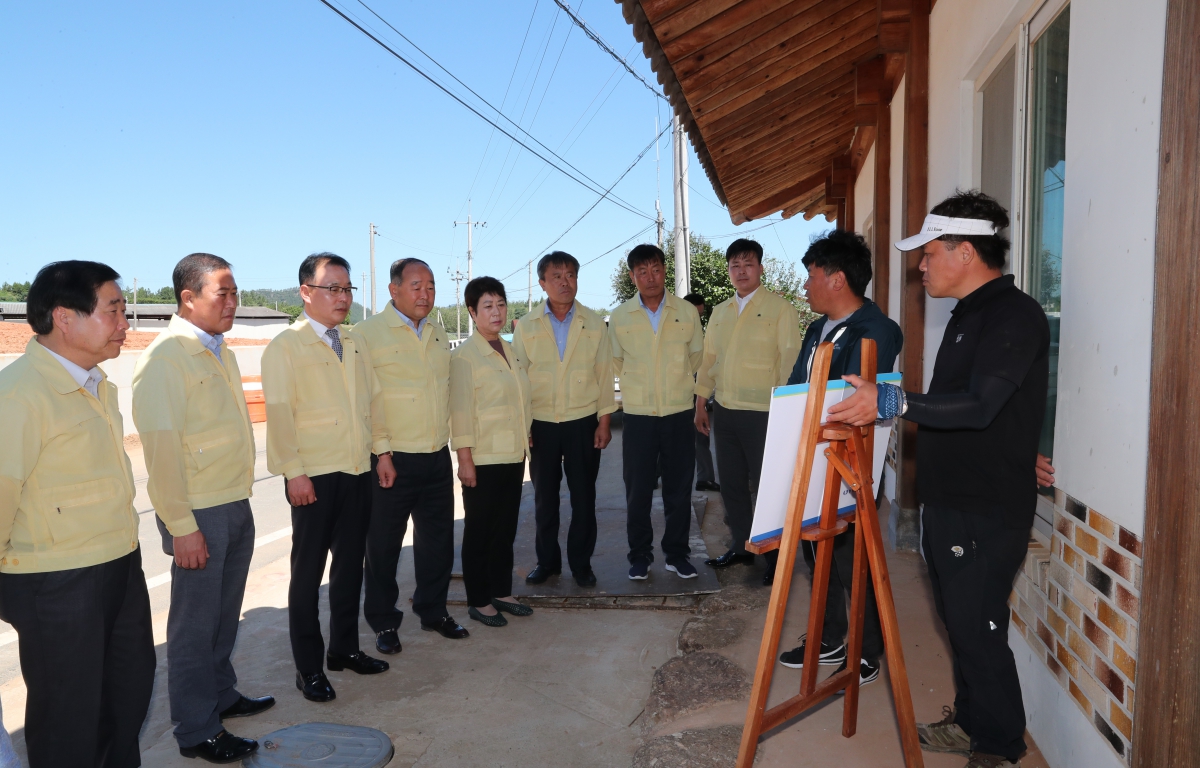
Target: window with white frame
{"x":1046,"y":180}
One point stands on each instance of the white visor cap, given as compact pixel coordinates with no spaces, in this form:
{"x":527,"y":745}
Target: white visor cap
{"x":936,"y":226}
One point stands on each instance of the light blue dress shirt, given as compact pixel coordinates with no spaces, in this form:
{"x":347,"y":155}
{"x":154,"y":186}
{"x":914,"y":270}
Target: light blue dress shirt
{"x":561,"y":328}
{"x":656,"y":315}
{"x":211,"y":342}
{"x":417,"y":327}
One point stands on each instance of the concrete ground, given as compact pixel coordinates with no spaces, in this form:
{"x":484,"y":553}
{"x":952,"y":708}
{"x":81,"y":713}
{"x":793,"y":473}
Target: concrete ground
{"x":564,"y":687}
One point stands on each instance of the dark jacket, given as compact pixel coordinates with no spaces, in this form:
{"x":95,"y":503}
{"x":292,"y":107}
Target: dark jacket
{"x":869,"y":322}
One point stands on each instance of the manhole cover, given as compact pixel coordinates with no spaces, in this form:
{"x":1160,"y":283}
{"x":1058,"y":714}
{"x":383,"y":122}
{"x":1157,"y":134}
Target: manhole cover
{"x":322,"y":744}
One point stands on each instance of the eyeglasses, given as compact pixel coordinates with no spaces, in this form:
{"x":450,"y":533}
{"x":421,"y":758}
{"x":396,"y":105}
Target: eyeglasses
{"x":336,"y":290}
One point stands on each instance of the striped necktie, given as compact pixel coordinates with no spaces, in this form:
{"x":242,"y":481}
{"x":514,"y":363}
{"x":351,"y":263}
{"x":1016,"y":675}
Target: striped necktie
{"x":335,"y":340}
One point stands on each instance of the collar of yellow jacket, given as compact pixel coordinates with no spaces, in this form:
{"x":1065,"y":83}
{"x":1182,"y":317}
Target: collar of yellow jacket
{"x":669,"y":301}
{"x":52,"y":370}
{"x":758,"y":296}
{"x":181,"y":329}
{"x":309,"y":335}
{"x":484,"y":347}
{"x":543,"y":312}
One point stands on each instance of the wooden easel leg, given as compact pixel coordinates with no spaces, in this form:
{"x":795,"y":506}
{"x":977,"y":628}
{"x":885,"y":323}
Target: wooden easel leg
{"x":765,"y":670}
{"x":858,"y":603}
{"x":868,"y":526}
{"x":820,"y":588}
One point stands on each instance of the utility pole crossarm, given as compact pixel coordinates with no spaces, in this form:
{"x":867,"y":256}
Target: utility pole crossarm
{"x":470,"y":254}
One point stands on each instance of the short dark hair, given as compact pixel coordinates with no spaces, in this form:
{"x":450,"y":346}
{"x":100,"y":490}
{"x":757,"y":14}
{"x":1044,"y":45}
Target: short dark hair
{"x":398,"y":267}
{"x":308,"y":267}
{"x":841,"y":250}
{"x":191,"y":270}
{"x":973,"y":204}
{"x":477,"y":288}
{"x":743,"y":245}
{"x":694,"y":299}
{"x":645,"y":254}
{"x":557,"y":259}
{"x":68,"y":284}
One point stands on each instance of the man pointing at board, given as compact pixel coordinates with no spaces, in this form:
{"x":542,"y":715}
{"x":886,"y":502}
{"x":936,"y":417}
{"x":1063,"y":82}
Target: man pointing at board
{"x":977,"y":464}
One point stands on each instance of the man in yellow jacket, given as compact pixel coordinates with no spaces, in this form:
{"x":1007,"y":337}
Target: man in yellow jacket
{"x":325,"y":419}
{"x":657,"y":341}
{"x":190,"y":412}
{"x":71,"y":580}
{"x":750,"y":347}
{"x":563,"y":347}
{"x":411,"y":356}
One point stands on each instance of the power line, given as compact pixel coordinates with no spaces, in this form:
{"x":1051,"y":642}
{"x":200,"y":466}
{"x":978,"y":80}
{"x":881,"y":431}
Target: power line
{"x":507,"y":88}
{"x":635,"y":235}
{"x":594,"y":184}
{"x":606,"y":47}
{"x":636,"y":160}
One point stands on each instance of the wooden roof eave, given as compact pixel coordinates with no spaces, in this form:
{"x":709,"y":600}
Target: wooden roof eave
{"x":644,"y":34}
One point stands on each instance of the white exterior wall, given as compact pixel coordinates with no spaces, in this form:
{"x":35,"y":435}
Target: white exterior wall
{"x":1114,"y":100}
{"x":119,"y":371}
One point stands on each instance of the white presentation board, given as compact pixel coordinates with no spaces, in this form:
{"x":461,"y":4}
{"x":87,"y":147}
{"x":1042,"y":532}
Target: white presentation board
{"x":784,"y":426}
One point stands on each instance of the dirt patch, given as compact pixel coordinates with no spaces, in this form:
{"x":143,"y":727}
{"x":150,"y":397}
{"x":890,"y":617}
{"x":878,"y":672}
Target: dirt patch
{"x":14,"y":337}
{"x":738,"y":597}
{"x":706,"y":748}
{"x":705,"y":633}
{"x":688,"y":683}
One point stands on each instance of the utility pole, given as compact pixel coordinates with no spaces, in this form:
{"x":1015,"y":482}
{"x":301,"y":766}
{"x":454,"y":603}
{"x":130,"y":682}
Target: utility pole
{"x":683,"y":260}
{"x":457,"y":276}
{"x":529,"y":307}
{"x":470,"y":259}
{"x":658,"y":221}
{"x":135,"y":321}
{"x":373,"y":233}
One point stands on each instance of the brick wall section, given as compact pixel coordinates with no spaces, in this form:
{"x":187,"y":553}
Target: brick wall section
{"x":1076,"y":602}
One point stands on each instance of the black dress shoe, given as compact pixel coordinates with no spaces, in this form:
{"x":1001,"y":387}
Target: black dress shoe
{"x":387,"y":641}
{"x":586,"y":578}
{"x":315,"y":687}
{"x":769,"y":575}
{"x":448,"y":628}
{"x":704,"y":485}
{"x":246,"y":706}
{"x":355,"y":662}
{"x":222,"y":748}
{"x":540,"y":574}
{"x":730,"y":558}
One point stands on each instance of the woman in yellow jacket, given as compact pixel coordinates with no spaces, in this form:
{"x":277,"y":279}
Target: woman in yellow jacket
{"x":490,"y":418}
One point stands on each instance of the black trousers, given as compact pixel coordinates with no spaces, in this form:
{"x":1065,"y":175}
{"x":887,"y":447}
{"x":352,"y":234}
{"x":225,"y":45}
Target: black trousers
{"x":704,"y":459}
{"x":741,"y":438}
{"x":568,"y":446}
{"x":489,"y":530}
{"x":336,"y":522}
{"x":206,"y":608}
{"x":650,"y":444}
{"x":87,"y":656}
{"x":424,"y":490}
{"x":837,"y":603}
{"x":973,"y":560}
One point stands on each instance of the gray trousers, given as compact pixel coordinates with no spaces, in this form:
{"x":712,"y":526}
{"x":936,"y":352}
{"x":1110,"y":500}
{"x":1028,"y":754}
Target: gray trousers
{"x":206,"y":604}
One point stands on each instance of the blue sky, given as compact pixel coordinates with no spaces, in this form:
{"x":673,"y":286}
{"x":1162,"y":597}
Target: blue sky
{"x":136,"y":132}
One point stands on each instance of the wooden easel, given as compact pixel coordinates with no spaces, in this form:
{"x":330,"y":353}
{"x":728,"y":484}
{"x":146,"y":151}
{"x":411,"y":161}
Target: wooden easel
{"x":850,"y":457}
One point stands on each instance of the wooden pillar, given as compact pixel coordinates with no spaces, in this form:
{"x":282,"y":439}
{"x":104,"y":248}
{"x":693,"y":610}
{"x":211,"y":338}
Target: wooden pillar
{"x":883,"y":203}
{"x":1166,"y":727}
{"x":916,"y":204}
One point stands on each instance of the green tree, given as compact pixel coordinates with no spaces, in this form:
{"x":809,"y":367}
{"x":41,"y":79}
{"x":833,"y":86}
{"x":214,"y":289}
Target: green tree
{"x":14,"y":291}
{"x":710,"y":279}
